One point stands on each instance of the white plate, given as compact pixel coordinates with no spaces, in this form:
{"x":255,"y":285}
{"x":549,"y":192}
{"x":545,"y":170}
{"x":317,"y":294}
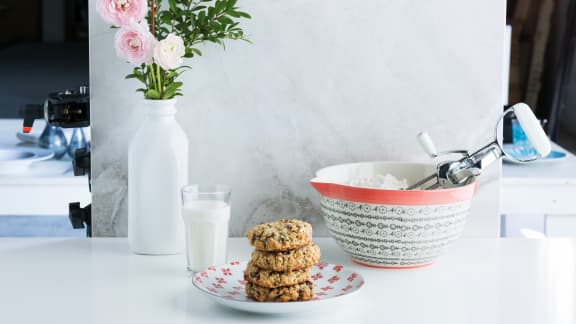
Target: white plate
{"x":225,"y":284}
{"x":28,"y":138}
{"x":16,"y":159}
{"x":554,"y":156}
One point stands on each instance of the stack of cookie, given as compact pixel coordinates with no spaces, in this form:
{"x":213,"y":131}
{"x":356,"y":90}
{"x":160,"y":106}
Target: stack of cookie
{"x":284,"y":254}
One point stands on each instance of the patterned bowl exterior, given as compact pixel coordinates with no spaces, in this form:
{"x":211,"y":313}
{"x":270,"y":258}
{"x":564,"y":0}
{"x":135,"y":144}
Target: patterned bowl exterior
{"x":393,"y":236}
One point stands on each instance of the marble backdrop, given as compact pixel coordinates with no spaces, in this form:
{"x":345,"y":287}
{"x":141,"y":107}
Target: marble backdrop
{"x":325,"y":82}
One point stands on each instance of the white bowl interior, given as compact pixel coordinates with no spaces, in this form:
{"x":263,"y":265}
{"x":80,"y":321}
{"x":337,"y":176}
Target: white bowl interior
{"x":344,"y":173}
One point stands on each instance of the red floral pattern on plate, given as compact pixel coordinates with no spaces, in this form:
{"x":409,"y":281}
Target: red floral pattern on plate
{"x":227,"y":281}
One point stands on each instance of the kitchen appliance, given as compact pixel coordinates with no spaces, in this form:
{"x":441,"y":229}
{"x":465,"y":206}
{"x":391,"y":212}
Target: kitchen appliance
{"x":455,"y":172}
{"x":67,"y":109}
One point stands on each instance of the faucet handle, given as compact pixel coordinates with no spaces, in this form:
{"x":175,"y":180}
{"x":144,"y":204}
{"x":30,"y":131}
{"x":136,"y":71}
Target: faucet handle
{"x":429,"y":148}
{"x":427,"y":144}
{"x":532,"y":128}
{"x":30,"y":113}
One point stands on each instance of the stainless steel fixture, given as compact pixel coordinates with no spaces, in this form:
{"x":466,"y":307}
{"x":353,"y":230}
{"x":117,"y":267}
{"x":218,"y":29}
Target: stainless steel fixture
{"x":452,"y":173}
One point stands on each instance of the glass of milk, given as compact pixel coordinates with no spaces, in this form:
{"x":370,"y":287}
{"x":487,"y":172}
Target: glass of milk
{"x":206,"y":213}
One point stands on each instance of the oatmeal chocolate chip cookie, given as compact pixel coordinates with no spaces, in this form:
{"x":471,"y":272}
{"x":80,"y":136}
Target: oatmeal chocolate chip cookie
{"x":298,"y":292}
{"x":281,"y":235}
{"x":274,"y":279}
{"x":297,"y":259}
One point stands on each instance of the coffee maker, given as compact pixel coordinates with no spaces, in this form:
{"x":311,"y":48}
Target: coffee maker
{"x":67,"y":109}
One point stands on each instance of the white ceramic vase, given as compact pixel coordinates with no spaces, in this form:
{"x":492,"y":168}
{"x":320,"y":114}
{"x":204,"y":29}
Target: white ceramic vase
{"x":157,"y":170}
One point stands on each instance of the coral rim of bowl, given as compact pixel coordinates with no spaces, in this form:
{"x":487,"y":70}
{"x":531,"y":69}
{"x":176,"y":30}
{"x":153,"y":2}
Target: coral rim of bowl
{"x":395,"y":197}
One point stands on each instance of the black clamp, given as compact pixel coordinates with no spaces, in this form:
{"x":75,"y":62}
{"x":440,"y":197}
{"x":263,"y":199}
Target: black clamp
{"x":80,"y":217}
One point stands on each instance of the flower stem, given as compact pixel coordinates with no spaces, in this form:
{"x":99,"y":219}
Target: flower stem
{"x":160,"y":82}
{"x":151,"y":72}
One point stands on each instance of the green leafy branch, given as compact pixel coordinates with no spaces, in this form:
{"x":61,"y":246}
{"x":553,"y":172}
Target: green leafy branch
{"x":159,"y":84}
{"x":196,"y":22}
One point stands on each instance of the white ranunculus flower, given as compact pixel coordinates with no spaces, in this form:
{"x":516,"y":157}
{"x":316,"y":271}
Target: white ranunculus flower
{"x":169,"y":51}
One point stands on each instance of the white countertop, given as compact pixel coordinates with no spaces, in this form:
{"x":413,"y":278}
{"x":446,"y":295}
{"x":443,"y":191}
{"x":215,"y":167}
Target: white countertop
{"x":99,"y":281}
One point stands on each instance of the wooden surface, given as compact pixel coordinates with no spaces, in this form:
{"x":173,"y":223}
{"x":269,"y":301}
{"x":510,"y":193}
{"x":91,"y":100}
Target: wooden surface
{"x":531,"y":22}
{"x":534,"y":82}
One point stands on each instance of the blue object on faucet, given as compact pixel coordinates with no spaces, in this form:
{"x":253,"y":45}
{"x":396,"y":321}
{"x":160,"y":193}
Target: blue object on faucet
{"x":522,"y":146}
{"x":53,"y":138}
{"x":77,"y":141}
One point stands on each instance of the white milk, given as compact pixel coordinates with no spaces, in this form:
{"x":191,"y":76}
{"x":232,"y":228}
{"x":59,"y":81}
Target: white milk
{"x":206,"y":233}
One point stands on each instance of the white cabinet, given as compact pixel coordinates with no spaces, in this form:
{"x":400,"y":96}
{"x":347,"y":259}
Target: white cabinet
{"x":540,"y":196}
{"x":46,"y":188}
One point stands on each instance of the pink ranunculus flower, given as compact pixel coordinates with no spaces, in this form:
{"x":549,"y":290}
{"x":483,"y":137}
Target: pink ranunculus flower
{"x":122,"y":12}
{"x":135,"y":43}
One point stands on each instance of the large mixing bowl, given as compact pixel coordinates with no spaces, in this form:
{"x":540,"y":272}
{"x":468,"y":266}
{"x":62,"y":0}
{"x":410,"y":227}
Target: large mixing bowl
{"x":391,"y":228}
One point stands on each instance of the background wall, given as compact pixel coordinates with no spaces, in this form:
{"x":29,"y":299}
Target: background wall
{"x":43,"y":49}
{"x":325,"y":82}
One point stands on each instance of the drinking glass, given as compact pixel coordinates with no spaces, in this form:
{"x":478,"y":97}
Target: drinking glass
{"x":206,"y":213}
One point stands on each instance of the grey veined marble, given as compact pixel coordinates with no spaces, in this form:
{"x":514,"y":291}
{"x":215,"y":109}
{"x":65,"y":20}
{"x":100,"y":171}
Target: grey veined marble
{"x":325,"y":82}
